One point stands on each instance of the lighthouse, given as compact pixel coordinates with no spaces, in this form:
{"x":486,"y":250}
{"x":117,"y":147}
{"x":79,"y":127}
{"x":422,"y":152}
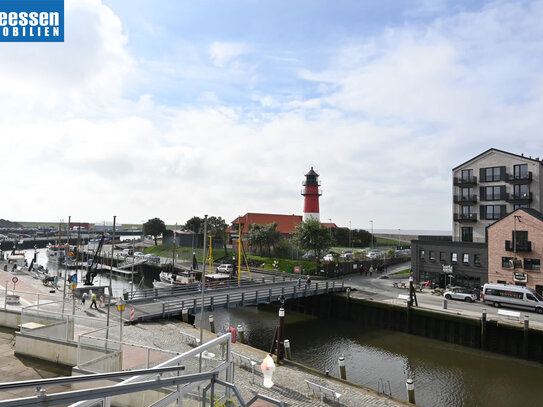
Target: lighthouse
{"x":311,"y":194}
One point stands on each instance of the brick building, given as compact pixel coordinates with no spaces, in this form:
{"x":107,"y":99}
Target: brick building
{"x":515,"y":249}
{"x":286,"y":224}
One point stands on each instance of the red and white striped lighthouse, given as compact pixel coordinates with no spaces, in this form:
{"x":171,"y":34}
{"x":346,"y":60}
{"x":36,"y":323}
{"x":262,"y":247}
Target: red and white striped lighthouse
{"x":311,"y":194}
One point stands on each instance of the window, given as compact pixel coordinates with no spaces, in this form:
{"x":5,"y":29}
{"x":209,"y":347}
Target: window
{"x":467,"y":194}
{"x":493,"y":193}
{"x":520,"y":237}
{"x":492,"y":174}
{"x":467,"y":175}
{"x":532,"y":264}
{"x":506,"y":262}
{"x":530,"y":297}
{"x":521,"y":171}
{"x":465,"y":258}
{"x":442,"y":257}
{"x":477,"y":259}
{"x":454,"y":257}
{"x":517,"y":206}
{"x":421,"y":255}
{"x":521,"y":191}
{"x":467,"y":234}
{"x":493,"y":211}
{"x":432,"y":255}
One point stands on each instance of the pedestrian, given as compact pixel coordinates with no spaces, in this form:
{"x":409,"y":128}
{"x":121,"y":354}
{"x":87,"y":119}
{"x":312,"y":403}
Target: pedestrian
{"x":308,"y":282}
{"x":371,"y":270}
{"x":299,"y":282}
{"x":93,"y":301}
{"x":84,"y":298}
{"x":55,"y":282}
{"x":365,"y":271}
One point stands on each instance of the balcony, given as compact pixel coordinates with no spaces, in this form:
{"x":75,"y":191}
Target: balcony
{"x":519,"y":178}
{"x":465,"y":200}
{"x":465,"y":217}
{"x":521,"y":246}
{"x":465,"y":182}
{"x":519,"y":198}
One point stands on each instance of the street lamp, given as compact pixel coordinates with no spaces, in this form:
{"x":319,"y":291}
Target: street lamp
{"x":399,"y":239}
{"x":330,"y":228}
{"x":350,"y":240}
{"x":371,"y":233}
{"x":73,"y":287}
{"x":120,"y":307}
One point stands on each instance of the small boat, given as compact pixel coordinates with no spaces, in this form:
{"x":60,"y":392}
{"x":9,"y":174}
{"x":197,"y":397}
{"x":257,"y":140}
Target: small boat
{"x":57,"y":253}
{"x":181,"y":278}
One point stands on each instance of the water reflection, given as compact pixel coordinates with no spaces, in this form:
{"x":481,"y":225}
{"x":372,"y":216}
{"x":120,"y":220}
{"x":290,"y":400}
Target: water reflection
{"x":444,"y":374}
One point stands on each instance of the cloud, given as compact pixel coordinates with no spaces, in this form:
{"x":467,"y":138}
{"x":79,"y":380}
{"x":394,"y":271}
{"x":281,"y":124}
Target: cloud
{"x":222,"y":53}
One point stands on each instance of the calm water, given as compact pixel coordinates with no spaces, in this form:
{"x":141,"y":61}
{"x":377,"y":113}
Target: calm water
{"x":444,"y":374}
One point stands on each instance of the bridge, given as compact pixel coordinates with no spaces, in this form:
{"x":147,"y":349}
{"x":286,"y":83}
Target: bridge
{"x":159,"y":303}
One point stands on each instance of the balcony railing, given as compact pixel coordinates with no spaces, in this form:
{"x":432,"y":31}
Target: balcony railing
{"x":519,"y":178}
{"x":519,"y":198}
{"x":465,"y":217}
{"x":465,"y":199}
{"x":521,"y":246}
{"x":465,"y":181}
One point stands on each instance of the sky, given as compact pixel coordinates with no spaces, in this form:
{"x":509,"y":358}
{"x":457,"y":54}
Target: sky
{"x":175,"y":109}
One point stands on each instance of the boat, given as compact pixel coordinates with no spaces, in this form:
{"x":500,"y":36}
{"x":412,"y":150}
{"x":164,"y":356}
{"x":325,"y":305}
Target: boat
{"x":57,"y":253}
{"x":179,"y":278}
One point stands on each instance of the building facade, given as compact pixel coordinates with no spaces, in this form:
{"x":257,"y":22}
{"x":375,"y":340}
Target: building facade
{"x":488,"y":187}
{"x":515,"y":249}
{"x":485,"y":189}
{"x":440,"y":260}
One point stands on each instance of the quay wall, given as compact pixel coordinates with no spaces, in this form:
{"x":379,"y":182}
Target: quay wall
{"x":490,"y":335}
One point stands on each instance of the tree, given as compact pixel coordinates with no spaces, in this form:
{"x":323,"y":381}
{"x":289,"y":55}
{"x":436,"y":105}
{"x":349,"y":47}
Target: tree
{"x":195,"y":224}
{"x":271,"y":236}
{"x":154,"y":227}
{"x":216,"y":227}
{"x":311,"y":235}
{"x":256,"y":236}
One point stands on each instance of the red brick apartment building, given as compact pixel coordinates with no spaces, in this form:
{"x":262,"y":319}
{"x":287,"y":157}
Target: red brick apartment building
{"x":515,"y":249}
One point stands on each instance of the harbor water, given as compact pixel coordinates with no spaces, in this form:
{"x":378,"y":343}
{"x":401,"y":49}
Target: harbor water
{"x":444,"y":374}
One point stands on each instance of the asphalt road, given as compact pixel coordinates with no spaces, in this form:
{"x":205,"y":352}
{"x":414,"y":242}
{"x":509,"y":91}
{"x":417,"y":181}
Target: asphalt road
{"x":379,"y":289}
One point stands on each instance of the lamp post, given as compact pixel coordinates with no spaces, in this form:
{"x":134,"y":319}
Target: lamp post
{"x":350,"y":240}
{"x":73,"y":287}
{"x":399,"y":239}
{"x":330,"y":228}
{"x":371,"y":233}
{"x":120,"y":307}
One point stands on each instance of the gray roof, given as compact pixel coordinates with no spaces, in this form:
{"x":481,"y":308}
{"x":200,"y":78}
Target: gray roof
{"x":498,"y":151}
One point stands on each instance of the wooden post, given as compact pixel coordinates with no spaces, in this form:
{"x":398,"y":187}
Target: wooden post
{"x":526,"y":336}
{"x":483,"y":329}
{"x":241,"y":332}
{"x":342,"y":370}
{"x":288,"y":355}
{"x":212,"y":323}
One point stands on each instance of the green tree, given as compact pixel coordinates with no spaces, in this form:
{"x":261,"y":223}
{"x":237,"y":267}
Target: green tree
{"x":216,"y":227}
{"x":195,"y":224}
{"x":154,"y":227}
{"x":256,"y":236}
{"x":271,"y":236}
{"x":311,"y":235}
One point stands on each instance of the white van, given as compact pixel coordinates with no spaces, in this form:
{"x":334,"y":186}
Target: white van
{"x":513,"y":296}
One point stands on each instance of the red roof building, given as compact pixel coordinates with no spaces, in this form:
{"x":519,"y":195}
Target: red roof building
{"x":286,"y":224}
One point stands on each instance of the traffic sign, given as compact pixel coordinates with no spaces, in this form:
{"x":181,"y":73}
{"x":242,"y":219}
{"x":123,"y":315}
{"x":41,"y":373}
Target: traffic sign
{"x":14,"y":279}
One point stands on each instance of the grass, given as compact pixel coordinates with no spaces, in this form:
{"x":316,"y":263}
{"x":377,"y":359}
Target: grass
{"x":283,"y":264}
{"x":401,"y":272}
{"x":381,"y":241}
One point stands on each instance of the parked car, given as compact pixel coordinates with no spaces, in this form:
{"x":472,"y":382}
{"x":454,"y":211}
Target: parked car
{"x":225,"y":268}
{"x":139,"y":254}
{"x":152,"y":258}
{"x":459,"y":293}
{"x":126,"y":252}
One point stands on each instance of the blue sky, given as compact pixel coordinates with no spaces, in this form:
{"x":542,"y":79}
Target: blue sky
{"x":175,"y":109}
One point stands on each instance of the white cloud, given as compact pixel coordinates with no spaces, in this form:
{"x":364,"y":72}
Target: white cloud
{"x":222,"y":53}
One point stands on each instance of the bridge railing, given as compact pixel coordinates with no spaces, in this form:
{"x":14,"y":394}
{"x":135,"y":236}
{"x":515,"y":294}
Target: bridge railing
{"x":249,"y":297}
{"x":180,"y":289}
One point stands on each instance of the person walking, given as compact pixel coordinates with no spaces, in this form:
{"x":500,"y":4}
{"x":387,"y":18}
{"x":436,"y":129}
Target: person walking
{"x":308,"y":282}
{"x":93,"y":301}
{"x":84,"y":298}
{"x":299,"y":282}
{"x":371,"y":270}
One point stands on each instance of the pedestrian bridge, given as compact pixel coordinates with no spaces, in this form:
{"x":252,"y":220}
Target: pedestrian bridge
{"x":187,"y":299}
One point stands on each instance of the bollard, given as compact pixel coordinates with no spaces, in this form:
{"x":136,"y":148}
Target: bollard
{"x":327,"y":373}
{"x":410,"y":391}
{"x":483,"y":329}
{"x":241,"y":332}
{"x":342,"y":371}
{"x":526,"y":336}
{"x":185,"y":315}
{"x":444,"y":304}
{"x":287,"y":349}
{"x":212,"y":323}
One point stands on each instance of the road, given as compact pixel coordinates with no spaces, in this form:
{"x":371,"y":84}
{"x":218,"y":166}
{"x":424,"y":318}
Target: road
{"x":378,"y":289}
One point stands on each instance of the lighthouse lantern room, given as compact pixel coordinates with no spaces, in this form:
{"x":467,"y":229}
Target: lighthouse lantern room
{"x":311,"y":194}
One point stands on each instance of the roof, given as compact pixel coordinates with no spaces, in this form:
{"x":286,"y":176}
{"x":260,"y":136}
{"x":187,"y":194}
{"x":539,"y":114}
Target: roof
{"x":497,"y":151}
{"x":311,"y":172}
{"x":530,"y":211}
{"x":330,"y":225}
{"x":285,"y":223}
